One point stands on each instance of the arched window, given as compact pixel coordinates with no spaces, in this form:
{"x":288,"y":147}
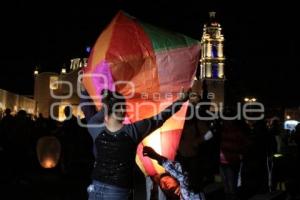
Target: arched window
{"x":214,"y":51}
{"x":215,"y":70}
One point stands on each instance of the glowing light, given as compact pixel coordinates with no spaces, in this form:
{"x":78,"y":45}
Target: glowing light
{"x":208,"y":51}
{"x":36,"y":72}
{"x":208,"y":70}
{"x":288,"y":117}
{"x":63,"y":70}
{"x":153,"y":140}
{"x":290,"y":125}
{"x":48,"y":163}
{"x":277,"y":155}
{"x":88,"y":49}
{"x":48,"y":151}
{"x":53,"y":82}
{"x":61,"y":114}
{"x":220,"y":50}
{"x":221,"y":70}
{"x":247,"y":99}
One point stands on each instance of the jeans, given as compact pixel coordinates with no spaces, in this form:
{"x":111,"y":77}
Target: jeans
{"x":102,"y":191}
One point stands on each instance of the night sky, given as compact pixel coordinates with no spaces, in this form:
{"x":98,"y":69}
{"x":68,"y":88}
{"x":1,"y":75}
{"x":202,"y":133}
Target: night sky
{"x":260,"y":47}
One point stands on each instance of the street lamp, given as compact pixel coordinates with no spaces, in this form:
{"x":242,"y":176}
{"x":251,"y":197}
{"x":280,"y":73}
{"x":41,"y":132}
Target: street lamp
{"x":36,"y":71}
{"x":63,"y":71}
{"x":250,"y":100}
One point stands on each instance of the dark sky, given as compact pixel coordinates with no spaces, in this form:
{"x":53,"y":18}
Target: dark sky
{"x":261,"y":44}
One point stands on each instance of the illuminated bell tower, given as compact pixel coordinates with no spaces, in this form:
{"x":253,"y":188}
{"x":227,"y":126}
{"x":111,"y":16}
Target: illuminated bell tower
{"x":212,"y":59}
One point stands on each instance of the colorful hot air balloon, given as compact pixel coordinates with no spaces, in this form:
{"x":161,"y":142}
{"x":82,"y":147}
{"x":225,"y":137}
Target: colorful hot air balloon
{"x":149,"y":66}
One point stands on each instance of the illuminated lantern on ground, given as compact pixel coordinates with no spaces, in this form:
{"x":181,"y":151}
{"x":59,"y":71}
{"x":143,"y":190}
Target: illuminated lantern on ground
{"x":48,"y":151}
{"x":157,"y":63}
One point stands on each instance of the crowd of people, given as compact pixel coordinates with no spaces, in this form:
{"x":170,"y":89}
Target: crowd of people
{"x":251,"y":156}
{"x":19,"y":136}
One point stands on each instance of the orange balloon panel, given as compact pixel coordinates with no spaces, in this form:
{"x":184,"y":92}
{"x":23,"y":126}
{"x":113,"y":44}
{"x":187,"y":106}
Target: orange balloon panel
{"x":164,"y":141}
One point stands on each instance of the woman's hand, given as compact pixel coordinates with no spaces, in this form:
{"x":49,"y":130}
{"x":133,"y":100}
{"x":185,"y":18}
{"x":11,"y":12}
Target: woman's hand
{"x":148,"y":151}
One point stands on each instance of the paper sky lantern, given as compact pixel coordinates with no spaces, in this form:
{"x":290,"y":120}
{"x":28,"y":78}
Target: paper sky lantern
{"x":48,"y":151}
{"x":149,"y":66}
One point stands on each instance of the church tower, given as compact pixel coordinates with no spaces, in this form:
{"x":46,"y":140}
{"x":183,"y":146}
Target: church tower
{"x":212,"y":59}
